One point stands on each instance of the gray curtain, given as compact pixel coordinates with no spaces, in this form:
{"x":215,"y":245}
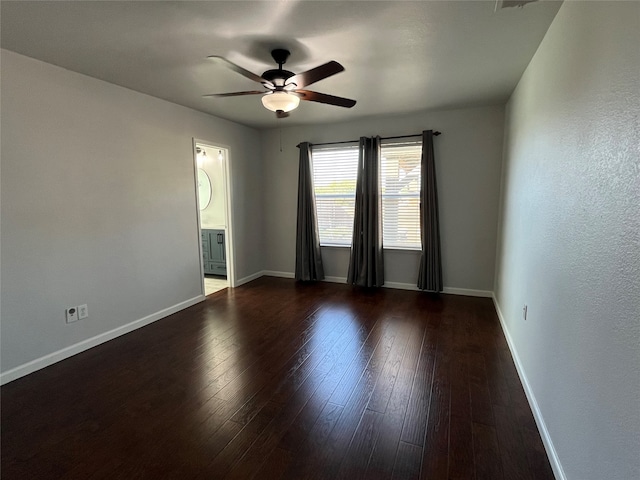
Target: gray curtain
{"x":430,"y":275}
{"x":308,"y":257}
{"x":366,"y":265}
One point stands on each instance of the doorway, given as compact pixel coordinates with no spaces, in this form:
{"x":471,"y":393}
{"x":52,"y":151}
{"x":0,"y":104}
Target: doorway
{"x":214,"y":219}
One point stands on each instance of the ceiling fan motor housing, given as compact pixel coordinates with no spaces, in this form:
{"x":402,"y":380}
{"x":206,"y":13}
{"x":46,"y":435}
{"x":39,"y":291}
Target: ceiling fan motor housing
{"x":277,"y":77}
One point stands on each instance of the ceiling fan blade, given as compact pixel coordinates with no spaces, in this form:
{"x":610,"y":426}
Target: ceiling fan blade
{"x":235,"y":94}
{"x":316,"y":74}
{"x":324,"y":98}
{"x":237,"y":68}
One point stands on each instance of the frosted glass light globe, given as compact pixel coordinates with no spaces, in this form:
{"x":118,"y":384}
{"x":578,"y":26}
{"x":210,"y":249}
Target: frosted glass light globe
{"x":280,"y":101}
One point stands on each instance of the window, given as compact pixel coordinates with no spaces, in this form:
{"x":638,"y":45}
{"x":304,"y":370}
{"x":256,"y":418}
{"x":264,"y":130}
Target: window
{"x":400,"y":189}
{"x":335,"y":171}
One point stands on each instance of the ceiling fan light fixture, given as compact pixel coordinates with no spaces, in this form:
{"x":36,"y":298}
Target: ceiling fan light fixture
{"x":285,"y":88}
{"x":280,"y":101}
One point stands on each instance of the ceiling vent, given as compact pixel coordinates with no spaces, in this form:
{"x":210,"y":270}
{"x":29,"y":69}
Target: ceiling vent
{"x":500,"y":4}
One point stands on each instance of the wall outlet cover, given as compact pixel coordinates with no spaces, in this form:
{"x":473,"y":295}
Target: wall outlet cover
{"x":83,"y":311}
{"x":72,"y":314}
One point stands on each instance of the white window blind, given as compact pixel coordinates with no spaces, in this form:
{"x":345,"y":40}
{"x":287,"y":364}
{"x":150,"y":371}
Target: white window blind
{"x":400,"y":189}
{"x":335,"y":171}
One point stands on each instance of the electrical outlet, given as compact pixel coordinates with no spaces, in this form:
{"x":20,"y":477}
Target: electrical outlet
{"x":524,"y":311}
{"x":72,"y":314}
{"x":83,"y":311}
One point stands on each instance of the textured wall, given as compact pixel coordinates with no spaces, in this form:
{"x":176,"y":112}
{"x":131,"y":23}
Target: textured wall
{"x":570,"y":236}
{"x":468,"y":160}
{"x":98,"y":205}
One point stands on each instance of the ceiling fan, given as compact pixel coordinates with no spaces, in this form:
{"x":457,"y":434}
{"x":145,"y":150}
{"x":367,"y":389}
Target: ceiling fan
{"x":283,"y":89}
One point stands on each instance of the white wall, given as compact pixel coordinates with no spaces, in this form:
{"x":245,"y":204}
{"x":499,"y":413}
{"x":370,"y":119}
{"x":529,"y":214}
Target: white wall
{"x":570,"y":236}
{"x":468,"y":160}
{"x":98,"y":205}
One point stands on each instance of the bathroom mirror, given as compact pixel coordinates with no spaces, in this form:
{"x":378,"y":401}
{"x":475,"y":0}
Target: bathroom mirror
{"x":204,"y":189}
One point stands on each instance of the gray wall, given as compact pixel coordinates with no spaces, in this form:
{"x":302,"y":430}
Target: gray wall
{"x":468,"y":160}
{"x":570,"y":236}
{"x":99,"y":207}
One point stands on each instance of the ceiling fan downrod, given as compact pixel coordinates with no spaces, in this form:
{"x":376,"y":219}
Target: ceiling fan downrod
{"x":280,"y":76}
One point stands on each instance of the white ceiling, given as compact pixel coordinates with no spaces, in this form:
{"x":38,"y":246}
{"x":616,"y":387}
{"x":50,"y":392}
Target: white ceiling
{"x":398,"y":56}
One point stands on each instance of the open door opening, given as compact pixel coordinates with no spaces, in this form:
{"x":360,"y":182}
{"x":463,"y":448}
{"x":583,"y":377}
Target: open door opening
{"x":214,"y":200}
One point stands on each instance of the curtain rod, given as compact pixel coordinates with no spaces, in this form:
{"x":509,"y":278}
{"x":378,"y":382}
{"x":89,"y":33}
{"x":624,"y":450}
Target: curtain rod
{"x":381,"y":138}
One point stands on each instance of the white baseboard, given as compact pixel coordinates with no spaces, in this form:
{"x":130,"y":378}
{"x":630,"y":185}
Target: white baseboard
{"x":449,"y":290}
{"x":79,"y":347}
{"x":335,"y":279}
{"x":533,"y":403}
{"x":401,"y":286}
{"x":468,"y":292}
{"x":272,"y":273}
{"x":397,"y":285}
{"x":249,"y":278}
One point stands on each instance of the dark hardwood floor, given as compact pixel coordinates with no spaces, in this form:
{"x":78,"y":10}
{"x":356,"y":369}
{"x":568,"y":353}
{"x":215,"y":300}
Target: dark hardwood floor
{"x":280,"y":380}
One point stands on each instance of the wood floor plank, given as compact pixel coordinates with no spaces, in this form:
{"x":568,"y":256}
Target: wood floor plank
{"x":279,"y":352}
{"x":414,"y":427}
{"x":407,"y":465}
{"x":275,"y":466}
{"x":344,"y":389}
{"x":340,"y":360}
{"x":269,"y":440}
{"x":318,"y":434}
{"x":513,"y":454}
{"x":359,"y":452}
{"x":460,"y":391}
{"x":332,"y":453}
{"x":278,"y":379}
{"x":481,"y":410}
{"x":236,"y":447}
{"x":293,"y":373}
{"x":461,"y":458}
{"x":486,"y":453}
{"x":383,"y":458}
{"x":382,"y":391}
{"x":436,"y":454}
{"x":498,"y":386}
